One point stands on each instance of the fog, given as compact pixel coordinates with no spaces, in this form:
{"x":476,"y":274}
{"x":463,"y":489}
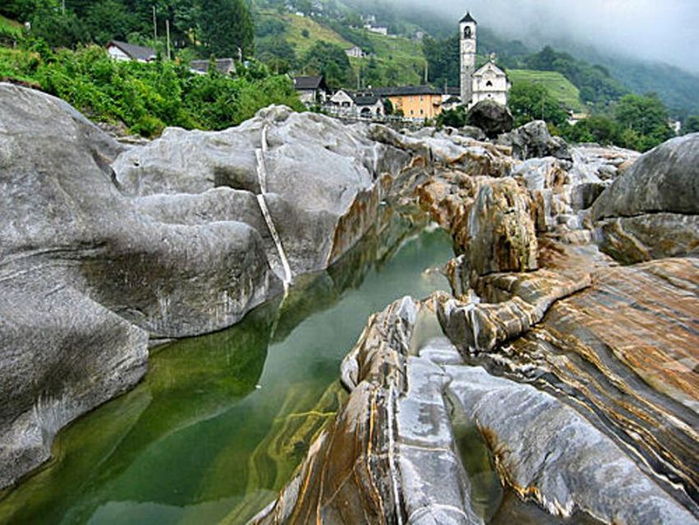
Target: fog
{"x":656,"y":30}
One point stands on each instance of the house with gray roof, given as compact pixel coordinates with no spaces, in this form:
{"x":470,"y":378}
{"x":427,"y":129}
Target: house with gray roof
{"x":123,"y":51}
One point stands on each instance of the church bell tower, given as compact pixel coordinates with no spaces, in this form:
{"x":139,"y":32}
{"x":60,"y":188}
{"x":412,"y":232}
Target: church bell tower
{"x":467,"y":30}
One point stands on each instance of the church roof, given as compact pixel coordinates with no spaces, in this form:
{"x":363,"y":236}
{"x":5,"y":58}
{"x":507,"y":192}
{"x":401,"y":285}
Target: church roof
{"x":490,"y":65}
{"x":468,"y":18}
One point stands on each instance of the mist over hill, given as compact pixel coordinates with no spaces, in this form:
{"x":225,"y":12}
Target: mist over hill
{"x":647,"y":45}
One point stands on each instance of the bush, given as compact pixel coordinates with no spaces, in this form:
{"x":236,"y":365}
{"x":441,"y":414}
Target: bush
{"x":148,"y":97}
{"x":454,"y":118}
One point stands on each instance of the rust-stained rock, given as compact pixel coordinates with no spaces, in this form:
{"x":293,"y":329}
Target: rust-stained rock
{"x":500,"y":235}
{"x":517,"y":303}
{"x":387,"y":457}
{"x":623,"y":349}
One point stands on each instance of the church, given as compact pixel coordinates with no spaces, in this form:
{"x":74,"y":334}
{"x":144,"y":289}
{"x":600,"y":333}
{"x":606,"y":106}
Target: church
{"x":489,"y":82}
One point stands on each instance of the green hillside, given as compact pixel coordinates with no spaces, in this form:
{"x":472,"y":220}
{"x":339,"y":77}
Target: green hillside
{"x":393,"y":61}
{"x":400,"y":60}
{"x":294,"y":27}
{"x":558,"y":86}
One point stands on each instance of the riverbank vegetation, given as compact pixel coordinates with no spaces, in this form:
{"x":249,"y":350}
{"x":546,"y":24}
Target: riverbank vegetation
{"x":62,"y":54}
{"x":145,"y":98}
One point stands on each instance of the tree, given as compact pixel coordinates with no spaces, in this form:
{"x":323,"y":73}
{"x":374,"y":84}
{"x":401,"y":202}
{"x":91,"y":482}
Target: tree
{"x":304,"y":6}
{"x":58,"y":29}
{"x":647,"y":117}
{"x":443,"y":59}
{"x":276,"y":53}
{"x":226,"y":27}
{"x":529,"y":101}
{"x":598,"y":128}
{"x":454,"y":118}
{"x":109,"y":20}
{"x":691,"y":124}
{"x":330,"y":61}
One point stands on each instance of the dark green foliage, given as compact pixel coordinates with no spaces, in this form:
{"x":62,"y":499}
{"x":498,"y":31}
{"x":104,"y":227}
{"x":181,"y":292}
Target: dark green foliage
{"x":226,"y":27}
{"x":148,"y":97}
{"x":454,"y":118}
{"x":269,"y":27}
{"x":24,"y":10}
{"x":533,"y":102}
{"x":643,"y":121}
{"x":598,"y":128}
{"x":371,"y":75}
{"x":277,"y":53}
{"x":109,"y":20}
{"x":691,"y":124}
{"x":638,"y":122}
{"x":57,"y":29}
{"x":330,"y":61}
{"x":444,"y":60}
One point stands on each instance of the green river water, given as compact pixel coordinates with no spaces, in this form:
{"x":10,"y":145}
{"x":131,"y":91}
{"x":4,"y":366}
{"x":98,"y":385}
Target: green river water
{"x":220,"y":422}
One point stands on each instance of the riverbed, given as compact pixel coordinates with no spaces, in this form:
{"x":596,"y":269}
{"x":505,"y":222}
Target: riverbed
{"x":220,"y":422}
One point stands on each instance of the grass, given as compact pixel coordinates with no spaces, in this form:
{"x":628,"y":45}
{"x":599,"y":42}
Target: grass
{"x":400,"y":60}
{"x":10,"y":27}
{"x":557,"y":85}
{"x":295,"y":25}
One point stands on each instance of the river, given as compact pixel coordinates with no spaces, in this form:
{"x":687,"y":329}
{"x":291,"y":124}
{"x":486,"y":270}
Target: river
{"x":220,"y":422}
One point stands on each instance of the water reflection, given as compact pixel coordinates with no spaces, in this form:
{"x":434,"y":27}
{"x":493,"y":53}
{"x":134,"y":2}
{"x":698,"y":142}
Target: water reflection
{"x":221,"y":421}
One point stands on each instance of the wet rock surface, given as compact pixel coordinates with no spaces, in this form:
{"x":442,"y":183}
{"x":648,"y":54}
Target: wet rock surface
{"x":106,"y":250}
{"x":567,"y":348}
{"x":578,"y":373}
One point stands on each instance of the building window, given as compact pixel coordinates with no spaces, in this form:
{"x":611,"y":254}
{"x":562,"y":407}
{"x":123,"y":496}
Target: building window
{"x":489,"y":83}
{"x":467,"y":32}
{"x":422,"y":98}
{"x":422,"y":112}
{"x":412,"y":112}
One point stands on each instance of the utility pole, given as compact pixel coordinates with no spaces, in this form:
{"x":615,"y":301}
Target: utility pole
{"x":167,"y":31}
{"x":155,"y":26}
{"x":427,"y":71}
{"x":63,"y":7}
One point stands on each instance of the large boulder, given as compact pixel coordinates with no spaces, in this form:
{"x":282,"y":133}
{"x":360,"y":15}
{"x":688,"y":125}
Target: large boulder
{"x":88,"y":278}
{"x":533,"y":140}
{"x":106,"y":250}
{"x":652,"y":211}
{"x":493,"y":118}
{"x":321,"y":180}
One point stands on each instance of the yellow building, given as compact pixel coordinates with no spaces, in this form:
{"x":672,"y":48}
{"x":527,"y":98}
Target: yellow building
{"x":418,"y":102}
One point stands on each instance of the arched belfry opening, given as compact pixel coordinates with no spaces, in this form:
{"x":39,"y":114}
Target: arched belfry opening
{"x":468,"y":32}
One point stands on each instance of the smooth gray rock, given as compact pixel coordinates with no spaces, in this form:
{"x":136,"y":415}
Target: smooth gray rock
{"x":533,"y":140}
{"x":651,"y":211}
{"x":665,"y":179}
{"x":321,"y":177}
{"x":491,"y":117}
{"x":87,"y":274}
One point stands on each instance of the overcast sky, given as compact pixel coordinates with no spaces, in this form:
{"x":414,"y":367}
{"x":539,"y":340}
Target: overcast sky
{"x":664,"y":30}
